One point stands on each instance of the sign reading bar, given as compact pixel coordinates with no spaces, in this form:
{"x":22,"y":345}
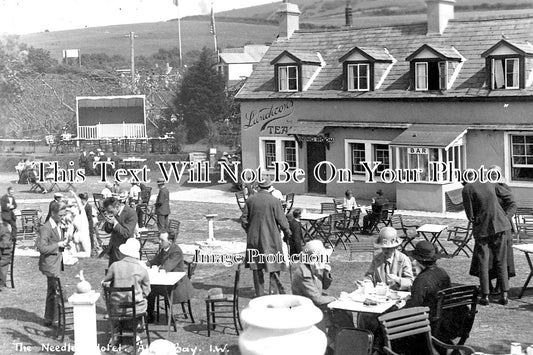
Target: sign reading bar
{"x":417,"y":150}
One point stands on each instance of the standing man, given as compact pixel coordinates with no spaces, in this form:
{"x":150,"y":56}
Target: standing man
{"x":82,"y":162}
{"x":162,"y":206}
{"x":84,"y":198}
{"x":490,"y":224}
{"x":8,"y":205}
{"x":50,"y":243}
{"x":296,"y":240}
{"x":55,"y":201}
{"x":121,"y":221}
{"x":261,"y":219}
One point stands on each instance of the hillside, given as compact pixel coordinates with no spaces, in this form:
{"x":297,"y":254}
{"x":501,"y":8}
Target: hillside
{"x":151,"y":37}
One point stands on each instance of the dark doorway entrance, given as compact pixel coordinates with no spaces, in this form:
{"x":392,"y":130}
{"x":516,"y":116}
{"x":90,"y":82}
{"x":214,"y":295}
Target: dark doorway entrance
{"x":316,"y":152}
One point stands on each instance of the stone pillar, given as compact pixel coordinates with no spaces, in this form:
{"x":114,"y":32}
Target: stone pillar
{"x":85,"y":342}
{"x":210,"y":218}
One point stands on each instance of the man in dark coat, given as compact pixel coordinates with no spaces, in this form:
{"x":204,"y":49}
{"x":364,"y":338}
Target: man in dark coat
{"x":55,"y":201}
{"x":6,"y":248}
{"x":83,"y":160}
{"x":373,"y":217}
{"x":490,"y":224}
{"x":170,"y":259}
{"x":261,"y":219}
{"x":296,"y":240}
{"x":121,"y":221}
{"x":50,"y":243}
{"x":8,"y":205}
{"x":162,"y":206}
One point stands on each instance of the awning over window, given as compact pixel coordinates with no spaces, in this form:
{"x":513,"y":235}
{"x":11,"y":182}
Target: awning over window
{"x":425,"y":135}
{"x":311,"y":128}
{"x":307,"y":128}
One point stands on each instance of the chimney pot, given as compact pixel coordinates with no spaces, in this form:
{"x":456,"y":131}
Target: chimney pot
{"x":348,"y":15}
{"x":289,"y":19}
{"x":439,"y":13}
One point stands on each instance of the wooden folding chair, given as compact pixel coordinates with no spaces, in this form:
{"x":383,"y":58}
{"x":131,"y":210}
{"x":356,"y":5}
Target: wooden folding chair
{"x":149,"y":240}
{"x":241,"y":199}
{"x":461,"y":236}
{"x":339,"y":202}
{"x":328,"y":208}
{"x":353,"y":341}
{"x":361,"y":248}
{"x":289,"y":202}
{"x":351,"y":224}
{"x":31,"y":221}
{"x":403,"y":229}
{"x":409,"y":322}
{"x":333,"y":228}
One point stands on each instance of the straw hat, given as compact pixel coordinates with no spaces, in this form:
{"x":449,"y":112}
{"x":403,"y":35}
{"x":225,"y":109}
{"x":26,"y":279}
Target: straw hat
{"x":131,"y":248}
{"x":265,"y":184}
{"x":388,"y":238}
{"x":58,"y":194}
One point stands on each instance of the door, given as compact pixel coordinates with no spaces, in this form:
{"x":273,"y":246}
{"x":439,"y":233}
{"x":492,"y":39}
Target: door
{"x":316,"y":152}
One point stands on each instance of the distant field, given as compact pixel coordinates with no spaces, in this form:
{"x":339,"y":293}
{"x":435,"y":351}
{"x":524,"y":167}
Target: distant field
{"x":151,"y":37}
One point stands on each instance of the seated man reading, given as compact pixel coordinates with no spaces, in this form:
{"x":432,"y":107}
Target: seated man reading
{"x":170,"y":259}
{"x":125,"y":273}
{"x":310,"y":280}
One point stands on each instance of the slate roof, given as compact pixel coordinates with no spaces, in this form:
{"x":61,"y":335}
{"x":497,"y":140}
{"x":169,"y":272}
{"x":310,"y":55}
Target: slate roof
{"x":444,"y":52}
{"x":429,"y":135}
{"x":470,"y":37}
{"x":237,"y":58}
{"x":376,"y":53}
{"x":301,"y":56}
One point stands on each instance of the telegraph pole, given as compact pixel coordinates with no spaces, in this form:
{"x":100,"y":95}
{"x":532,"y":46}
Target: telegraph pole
{"x":132,"y":49}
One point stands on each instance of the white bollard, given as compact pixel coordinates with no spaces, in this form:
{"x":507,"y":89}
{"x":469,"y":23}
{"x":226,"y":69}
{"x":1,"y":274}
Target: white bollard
{"x":210,"y":218}
{"x":85,"y":342}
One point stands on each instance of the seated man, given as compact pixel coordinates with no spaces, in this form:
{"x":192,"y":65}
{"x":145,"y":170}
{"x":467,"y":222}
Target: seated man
{"x":373,"y":217}
{"x":310,"y":280}
{"x":390,"y":266}
{"x":6,"y":248}
{"x":124,"y":273}
{"x":170,"y":259}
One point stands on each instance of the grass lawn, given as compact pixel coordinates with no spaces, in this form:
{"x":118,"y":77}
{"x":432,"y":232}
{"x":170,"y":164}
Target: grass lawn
{"x":22,"y":308}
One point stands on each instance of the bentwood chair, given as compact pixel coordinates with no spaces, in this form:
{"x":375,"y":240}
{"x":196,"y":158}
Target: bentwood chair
{"x":412,"y":326}
{"x":353,"y":341}
{"x":124,"y":312}
{"x":225,"y":307}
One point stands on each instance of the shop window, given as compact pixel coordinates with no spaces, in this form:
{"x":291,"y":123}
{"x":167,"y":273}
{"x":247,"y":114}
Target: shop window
{"x":288,"y":78}
{"x":278,"y":149}
{"x":505,"y":73}
{"x":522,"y":157}
{"x":358,"y":77}
{"x":422,"y":159}
{"x":431,"y":75}
{"x":367,"y":152}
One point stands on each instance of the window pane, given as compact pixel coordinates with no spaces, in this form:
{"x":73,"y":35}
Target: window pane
{"x":404,"y":163}
{"x":283,"y":79}
{"x":363,"y":77}
{"x":293,"y":78}
{"x":381,"y":154}
{"x":443,"y":75}
{"x":421,"y":76}
{"x":290,"y":153}
{"x":358,"y":155}
{"x":497,"y":74}
{"x":512,"y":73}
{"x":423,"y":164}
{"x":518,"y":139}
{"x":518,"y":149}
{"x":522,"y":158}
{"x":270,"y":153}
{"x":352,"y":75}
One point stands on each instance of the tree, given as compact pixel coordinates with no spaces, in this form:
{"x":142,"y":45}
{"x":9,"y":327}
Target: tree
{"x":201,"y":98}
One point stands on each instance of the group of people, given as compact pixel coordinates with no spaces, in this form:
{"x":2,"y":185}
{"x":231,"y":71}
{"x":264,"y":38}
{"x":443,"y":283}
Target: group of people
{"x":87,"y":162}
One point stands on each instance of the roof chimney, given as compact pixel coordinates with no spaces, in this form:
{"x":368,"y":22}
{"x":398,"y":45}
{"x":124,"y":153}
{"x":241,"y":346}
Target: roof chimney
{"x":348,"y":14}
{"x":289,"y":19}
{"x":439,"y":13}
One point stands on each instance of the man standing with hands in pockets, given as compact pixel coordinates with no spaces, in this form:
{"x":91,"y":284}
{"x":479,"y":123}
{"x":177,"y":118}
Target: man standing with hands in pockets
{"x":121,"y":221}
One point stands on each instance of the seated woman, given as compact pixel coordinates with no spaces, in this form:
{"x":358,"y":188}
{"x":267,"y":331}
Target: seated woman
{"x":124,"y":273}
{"x":349,"y":201}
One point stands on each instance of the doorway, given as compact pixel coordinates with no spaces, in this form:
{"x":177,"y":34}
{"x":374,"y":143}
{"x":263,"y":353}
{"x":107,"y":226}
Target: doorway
{"x":316,"y":152}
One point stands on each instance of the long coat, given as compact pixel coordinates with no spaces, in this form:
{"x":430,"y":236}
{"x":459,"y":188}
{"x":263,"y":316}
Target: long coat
{"x":172,"y":261}
{"x":260,"y":219}
{"x":51,"y":259}
{"x":162,"y":204}
{"x":124,"y":229}
{"x":482,"y":207}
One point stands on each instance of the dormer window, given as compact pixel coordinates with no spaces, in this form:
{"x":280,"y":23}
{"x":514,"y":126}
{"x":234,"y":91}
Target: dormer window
{"x":295,"y":71}
{"x":365,"y":68}
{"x":288,"y":78}
{"x":505,"y":73}
{"x":506,"y":62}
{"x":359,"y":77}
{"x":434,"y":67}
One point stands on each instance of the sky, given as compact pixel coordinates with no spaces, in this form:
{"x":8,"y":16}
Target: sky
{"x":28,"y":16}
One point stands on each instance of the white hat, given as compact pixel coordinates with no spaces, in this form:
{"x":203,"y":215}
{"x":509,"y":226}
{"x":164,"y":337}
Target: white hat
{"x":131,"y":248}
{"x":388,"y":238}
{"x":58,"y":194}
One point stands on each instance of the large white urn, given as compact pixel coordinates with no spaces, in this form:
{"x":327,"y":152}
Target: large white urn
{"x":281,"y":324}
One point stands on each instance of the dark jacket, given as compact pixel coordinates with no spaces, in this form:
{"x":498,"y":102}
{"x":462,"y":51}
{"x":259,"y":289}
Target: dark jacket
{"x":51,"y":259}
{"x":7,"y":213}
{"x":5,"y":237}
{"x":480,"y":201}
{"x":296,"y":240}
{"x":89,"y":214}
{"x":261,"y":219}
{"x":124,"y":229}
{"x":378,"y":204}
{"x":172,"y":261}
{"x":162,"y":204}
